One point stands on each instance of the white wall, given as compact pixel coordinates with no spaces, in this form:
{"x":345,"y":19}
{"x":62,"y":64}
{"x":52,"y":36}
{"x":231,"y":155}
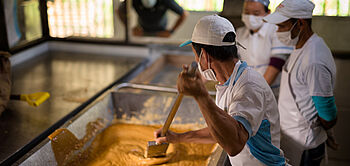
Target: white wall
{"x":335,"y":31}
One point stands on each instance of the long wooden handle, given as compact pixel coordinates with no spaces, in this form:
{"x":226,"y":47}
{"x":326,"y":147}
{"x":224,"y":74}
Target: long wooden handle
{"x":172,"y":114}
{"x":191,"y":71}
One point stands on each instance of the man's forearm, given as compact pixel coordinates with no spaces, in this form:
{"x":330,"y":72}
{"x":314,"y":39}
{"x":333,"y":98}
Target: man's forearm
{"x":229,"y":133}
{"x":179,"y":21}
{"x":327,"y":124}
{"x":326,"y":110}
{"x":270,"y":74}
{"x":198,"y":136}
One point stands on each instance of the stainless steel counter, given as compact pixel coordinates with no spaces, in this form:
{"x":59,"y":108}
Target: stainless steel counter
{"x":71,"y":79}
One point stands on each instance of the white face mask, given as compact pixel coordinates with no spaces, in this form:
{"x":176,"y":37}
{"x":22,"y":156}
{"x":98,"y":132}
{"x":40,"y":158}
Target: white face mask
{"x":286,"y":37}
{"x":149,"y":3}
{"x":252,"y":22}
{"x":207,"y":74}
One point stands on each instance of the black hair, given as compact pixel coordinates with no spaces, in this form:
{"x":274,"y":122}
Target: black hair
{"x":308,"y":20}
{"x":220,"y":53}
{"x":266,"y":9}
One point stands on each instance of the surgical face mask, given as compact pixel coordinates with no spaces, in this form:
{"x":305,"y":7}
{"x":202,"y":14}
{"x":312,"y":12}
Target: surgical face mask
{"x":286,"y":37}
{"x":207,"y":74}
{"x":252,"y":22}
{"x":149,"y":3}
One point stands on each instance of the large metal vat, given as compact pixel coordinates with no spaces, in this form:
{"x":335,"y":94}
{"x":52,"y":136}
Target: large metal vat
{"x":136,"y":104}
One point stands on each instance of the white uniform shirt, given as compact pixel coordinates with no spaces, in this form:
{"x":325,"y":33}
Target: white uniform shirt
{"x":260,"y":47}
{"x":251,"y":102}
{"x":311,"y":73}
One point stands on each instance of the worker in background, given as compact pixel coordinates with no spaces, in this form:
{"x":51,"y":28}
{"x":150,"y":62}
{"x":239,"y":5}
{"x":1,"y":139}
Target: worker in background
{"x":152,"y":17}
{"x":244,"y":120}
{"x":5,"y":80}
{"x":306,"y":102}
{"x":264,"y":52}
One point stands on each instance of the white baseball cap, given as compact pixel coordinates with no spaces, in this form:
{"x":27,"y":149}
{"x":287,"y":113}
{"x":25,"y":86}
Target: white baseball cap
{"x":211,"y":30}
{"x":291,"y":9}
{"x":264,"y":2}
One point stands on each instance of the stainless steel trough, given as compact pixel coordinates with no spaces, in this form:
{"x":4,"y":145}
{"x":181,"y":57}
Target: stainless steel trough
{"x":137,"y":102}
{"x":130,"y":103}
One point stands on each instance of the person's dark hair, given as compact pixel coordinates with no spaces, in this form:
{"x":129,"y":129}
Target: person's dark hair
{"x":266,"y":9}
{"x":220,"y":53}
{"x":308,"y":21}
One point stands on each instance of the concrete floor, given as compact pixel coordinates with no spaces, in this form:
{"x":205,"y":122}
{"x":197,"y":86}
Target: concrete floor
{"x":71,"y":79}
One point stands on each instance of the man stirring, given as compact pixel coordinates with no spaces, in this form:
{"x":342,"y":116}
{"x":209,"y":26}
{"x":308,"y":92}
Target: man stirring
{"x":244,"y":120}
